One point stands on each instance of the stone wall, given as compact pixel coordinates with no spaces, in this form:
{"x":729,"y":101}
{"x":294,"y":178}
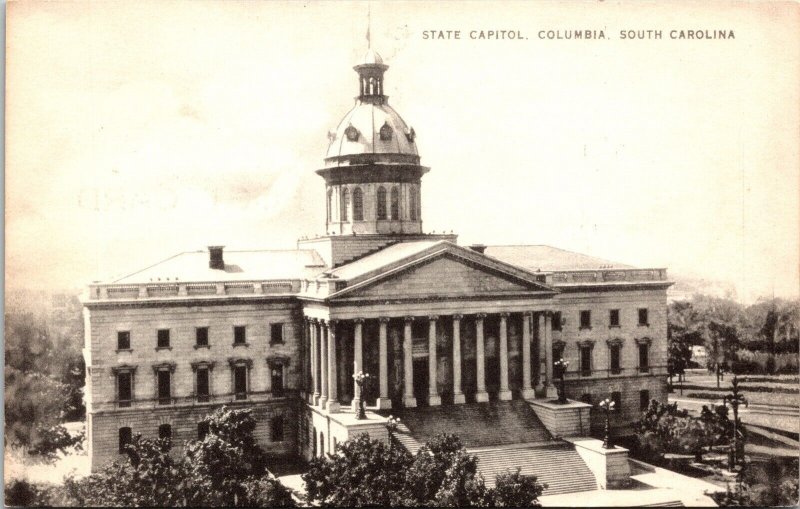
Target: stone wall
{"x":103,"y":428}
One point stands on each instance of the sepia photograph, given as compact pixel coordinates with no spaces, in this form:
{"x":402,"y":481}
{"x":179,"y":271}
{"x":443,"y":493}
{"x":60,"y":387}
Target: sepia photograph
{"x":371,"y":253}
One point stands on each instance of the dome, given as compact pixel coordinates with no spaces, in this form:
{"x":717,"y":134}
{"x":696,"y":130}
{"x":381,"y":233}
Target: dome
{"x":371,"y":57}
{"x":371,"y":128}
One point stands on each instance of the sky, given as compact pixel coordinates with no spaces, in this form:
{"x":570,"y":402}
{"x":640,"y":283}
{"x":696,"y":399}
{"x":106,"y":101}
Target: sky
{"x":138,"y":130}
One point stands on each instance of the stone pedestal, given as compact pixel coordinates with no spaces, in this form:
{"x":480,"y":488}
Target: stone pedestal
{"x":504,"y":395}
{"x":482,"y":397}
{"x":569,"y":419}
{"x":609,"y":466}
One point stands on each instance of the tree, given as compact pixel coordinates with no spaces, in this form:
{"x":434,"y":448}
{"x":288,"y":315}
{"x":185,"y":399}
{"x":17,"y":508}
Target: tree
{"x":367,"y":472}
{"x":683,"y":331}
{"x":226,"y":468}
{"x":364,"y":472}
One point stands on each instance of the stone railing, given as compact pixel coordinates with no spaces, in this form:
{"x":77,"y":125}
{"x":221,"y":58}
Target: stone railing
{"x":161,"y":290}
{"x":609,"y":276}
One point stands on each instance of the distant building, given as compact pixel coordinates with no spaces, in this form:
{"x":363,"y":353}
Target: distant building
{"x":699,"y":355}
{"x":441,"y":327}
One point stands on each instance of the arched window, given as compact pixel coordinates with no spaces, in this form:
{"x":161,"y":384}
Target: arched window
{"x":165,"y":431}
{"x":381,"y":203}
{"x":125,"y":438}
{"x":412,"y":206}
{"x":395,"y":204}
{"x":328,"y":206}
{"x":358,"y":205}
{"x":345,"y":203}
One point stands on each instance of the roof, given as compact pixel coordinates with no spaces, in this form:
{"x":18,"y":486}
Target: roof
{"x":368,"y":118}
{"x":239,"y":266}
{"x":382,"y":258}
{"x":549,"y":259}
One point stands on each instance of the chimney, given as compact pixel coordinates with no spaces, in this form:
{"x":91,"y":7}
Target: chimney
{"x":215,"y":260}
{"x":478,"y":248}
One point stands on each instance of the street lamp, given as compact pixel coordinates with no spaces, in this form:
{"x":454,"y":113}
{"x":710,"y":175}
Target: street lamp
{"x":607,"y":405}
{"x":360,"y":379}
{"x":561,"y":368}
{"x":735,"y":398}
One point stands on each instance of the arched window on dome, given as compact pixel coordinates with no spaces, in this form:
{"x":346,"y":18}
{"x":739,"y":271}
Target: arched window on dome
{"x":345,"y":204}
{"x":358,"y":205}
{"x":328,"y":206}
{"x":381,"y":203}
{"x":413,"y":200}
{"x":395,"y":204}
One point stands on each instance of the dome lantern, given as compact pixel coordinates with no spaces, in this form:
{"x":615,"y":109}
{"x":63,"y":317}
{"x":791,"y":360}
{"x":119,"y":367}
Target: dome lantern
{"x":370,"y":77}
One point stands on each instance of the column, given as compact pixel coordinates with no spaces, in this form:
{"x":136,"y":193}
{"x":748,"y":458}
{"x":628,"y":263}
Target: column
{"x":540,"y":382}
{"x":548,"y":345}
{"x":332,"y":404}
{"x":458,"y":393}
{"x":408,"y":366}
{"x":433,"y":390}
{"x":358,"y":363}
{"x":481,"y":395}
{"x":527,"y":389}
{"x":323,"y":363}
{"x":505,"y":392}
{"x":383,"y":356}
{"x":312,"y":334}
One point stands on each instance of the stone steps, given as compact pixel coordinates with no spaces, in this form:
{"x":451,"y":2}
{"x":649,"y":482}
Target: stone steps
{"x":558,"y":465}
{"x":476,"y":424}
{"x":503,"y":435}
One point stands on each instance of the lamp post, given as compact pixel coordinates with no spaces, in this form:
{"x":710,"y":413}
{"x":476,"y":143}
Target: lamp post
{"x":607,"y":405}
{"x":561,"y":368}
{"x":735,"y":398}
{"x":360,"y":379}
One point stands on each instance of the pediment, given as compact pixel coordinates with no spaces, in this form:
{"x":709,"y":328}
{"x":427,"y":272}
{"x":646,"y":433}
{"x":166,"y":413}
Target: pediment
{"x":448,"y":273}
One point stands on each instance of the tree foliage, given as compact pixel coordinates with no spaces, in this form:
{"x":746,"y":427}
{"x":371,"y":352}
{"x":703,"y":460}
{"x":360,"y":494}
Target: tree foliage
{"x":367,"y":472}
{"x":227,"y":468}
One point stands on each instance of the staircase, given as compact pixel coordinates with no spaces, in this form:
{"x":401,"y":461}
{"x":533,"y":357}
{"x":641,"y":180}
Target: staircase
{"x":476,"y":424}
{"x":558,"y":465}
{"x":503,"y":435}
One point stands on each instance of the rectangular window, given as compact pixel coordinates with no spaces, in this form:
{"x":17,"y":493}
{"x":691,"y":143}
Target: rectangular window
{"x":164,"y":389}
{"x":613,"y":318}
{"x":124,"y":388}
{"x":123,"y":340}
{"x":643,"y":318}
{"x":202,"y":429}
{"x":277,"y":429}
{"x":586,"y":361}
{"x":202,"y":385}
{"x":557,"y":320}
{"x":616,"y":397}
{"x":239,"y":335}
{"x":586,"y":319}
{"x":277,"y":380}
{"x":125,"y":438}
{"x":163,"y":338}
{"x":240,"y":382}
{"x":165,"y":431}
{"x":615,"y":355}
{"x":276,"y":333}
{"x":644,"y":400}
{"x":644,"y":361}
{"x":201,"y":336}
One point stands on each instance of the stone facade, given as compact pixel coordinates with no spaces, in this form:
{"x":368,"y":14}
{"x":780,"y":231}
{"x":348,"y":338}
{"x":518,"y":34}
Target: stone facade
{"x":434,"y":323}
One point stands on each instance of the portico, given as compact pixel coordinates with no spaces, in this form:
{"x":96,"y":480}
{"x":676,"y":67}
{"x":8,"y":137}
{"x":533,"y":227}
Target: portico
{"x":429,"y":359}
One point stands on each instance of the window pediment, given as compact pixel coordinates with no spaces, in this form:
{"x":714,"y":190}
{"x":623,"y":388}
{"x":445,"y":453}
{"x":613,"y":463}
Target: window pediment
{"x":164,"y":366}
{"x":587,"y":343}
{"x":644,"y":341}
{"x":209,"y":365}
{"x":238,"y":361}
{"x":278,"y":360}
{"x":614,"y":342}
{"x":122,"y":368}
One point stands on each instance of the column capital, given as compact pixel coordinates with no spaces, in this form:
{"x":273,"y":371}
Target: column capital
{"x":383,"y":319}
{"x":332,"y":323}
{"x":480,"y":316}
{"x":358,"y":320}
{"x":408,"y":319}
{"x":503,"y":314}
{"x":458,"y":317}
{"x":527,"y":313}
{"x":549,"y":313}
{"x":433,"y":318}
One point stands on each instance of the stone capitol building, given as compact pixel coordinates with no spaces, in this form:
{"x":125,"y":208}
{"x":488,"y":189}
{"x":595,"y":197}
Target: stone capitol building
{"x":455,"y":338}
